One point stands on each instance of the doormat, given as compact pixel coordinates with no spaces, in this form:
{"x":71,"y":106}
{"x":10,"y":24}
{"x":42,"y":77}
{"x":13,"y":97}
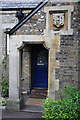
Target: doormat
{"x":33,"y":101}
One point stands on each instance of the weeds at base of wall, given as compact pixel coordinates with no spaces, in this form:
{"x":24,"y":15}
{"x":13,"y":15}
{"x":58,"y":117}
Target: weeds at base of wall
{"x":3,"y":101}
{"x":4,"y":85}
{"x":5,"y":88}
{"x":5,"y":92}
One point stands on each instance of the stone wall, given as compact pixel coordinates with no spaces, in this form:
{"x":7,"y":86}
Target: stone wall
{"x":34,"y":26}
{"x":26,"y":68}
{"x":8,"y":21}
{"x":68,"y":55}
{"x":68,"y":58}
{"x":79,"y":46}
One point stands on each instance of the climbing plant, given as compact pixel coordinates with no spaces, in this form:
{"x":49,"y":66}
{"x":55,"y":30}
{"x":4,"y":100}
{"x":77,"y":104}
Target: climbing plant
{"x":4,"y":82}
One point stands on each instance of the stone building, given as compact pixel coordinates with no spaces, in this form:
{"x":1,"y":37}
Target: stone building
{"x":39,"y":41}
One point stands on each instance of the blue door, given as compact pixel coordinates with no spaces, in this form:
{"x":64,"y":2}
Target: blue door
{"x":39,"y":67}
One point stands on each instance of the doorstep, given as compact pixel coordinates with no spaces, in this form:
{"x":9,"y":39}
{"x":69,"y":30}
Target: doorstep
{"x":32,"y":108}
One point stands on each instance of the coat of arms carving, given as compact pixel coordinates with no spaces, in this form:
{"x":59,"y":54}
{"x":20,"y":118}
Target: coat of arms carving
{"x":58,"y":20}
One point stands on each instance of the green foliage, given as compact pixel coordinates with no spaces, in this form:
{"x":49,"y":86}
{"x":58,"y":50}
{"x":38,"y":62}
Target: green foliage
{"x":67,"y":107}
{"x":4,"y":62}
{"x":78,"y":51}
{"x":3,"y":101}
{"x":5,"y":85}
{"x":5,"y":88}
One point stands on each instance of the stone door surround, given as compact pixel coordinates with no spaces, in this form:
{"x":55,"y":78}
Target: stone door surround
{"x":16,"y":43}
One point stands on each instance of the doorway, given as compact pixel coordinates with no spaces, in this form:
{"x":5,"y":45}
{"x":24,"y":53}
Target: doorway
{"x":39,"y":67}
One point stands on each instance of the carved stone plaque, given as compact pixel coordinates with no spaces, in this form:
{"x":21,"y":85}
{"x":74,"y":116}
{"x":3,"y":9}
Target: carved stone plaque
{"x":58,"y":20}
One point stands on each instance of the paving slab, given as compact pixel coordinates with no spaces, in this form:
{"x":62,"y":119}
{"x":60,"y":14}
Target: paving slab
{"x":33,"y":108}
{"x":21,"y":115}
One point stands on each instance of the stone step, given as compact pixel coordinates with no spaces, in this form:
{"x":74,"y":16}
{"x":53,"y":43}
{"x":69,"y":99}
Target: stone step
{"x":38,"y":93}
{"x":37,"y":96}
{"x":33,"y":108}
